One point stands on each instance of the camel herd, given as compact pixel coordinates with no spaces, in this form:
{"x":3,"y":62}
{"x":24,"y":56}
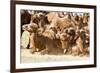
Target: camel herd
{"x":56,"y":32}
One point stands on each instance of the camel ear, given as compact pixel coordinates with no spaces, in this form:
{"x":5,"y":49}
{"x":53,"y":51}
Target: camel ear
{"x":46,"y":20}
{"x":57,"y":36}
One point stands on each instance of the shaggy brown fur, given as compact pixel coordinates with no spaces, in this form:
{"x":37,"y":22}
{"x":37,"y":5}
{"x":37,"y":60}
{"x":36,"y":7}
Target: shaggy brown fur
{"x":42,"y":42}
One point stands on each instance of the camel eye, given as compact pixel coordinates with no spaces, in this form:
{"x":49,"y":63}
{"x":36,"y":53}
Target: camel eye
{"x":41,"y":15}
{"x":66,"y":30}
{"x":26,"y":26}
{"x":31,"y":26}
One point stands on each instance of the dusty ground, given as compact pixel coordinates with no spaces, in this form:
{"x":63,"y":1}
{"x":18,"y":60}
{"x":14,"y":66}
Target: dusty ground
{"x":27,"y":57}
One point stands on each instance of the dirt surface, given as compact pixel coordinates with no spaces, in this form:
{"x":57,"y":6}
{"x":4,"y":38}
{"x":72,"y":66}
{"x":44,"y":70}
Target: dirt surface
{"x":28,"y":57}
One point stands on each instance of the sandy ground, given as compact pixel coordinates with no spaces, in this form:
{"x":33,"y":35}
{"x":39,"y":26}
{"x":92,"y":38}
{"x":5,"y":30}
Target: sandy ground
{"x":27,"y":57}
